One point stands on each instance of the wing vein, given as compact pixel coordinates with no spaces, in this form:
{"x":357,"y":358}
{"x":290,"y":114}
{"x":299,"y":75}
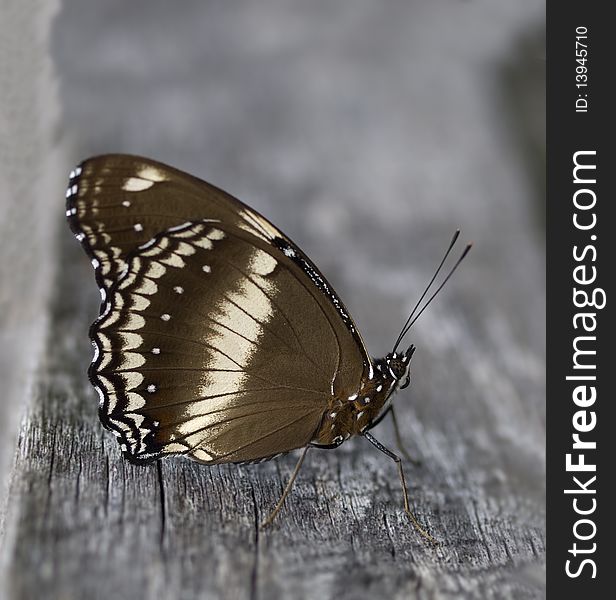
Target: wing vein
{"x":259,"y":439}
{"x":237,"y":393}
{"x":273,"y":301}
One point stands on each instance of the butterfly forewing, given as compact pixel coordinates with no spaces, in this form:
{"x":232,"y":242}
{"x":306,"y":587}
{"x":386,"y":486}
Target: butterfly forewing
{"x":117,"y":202}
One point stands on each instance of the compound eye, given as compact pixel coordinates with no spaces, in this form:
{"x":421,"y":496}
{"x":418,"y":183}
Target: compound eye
{"x":406,"y":382}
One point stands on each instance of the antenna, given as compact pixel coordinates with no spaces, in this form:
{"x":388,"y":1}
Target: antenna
{"x":412,"y":317}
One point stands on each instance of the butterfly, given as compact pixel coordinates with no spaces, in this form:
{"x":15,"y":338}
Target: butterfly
{"x":218,"y":338}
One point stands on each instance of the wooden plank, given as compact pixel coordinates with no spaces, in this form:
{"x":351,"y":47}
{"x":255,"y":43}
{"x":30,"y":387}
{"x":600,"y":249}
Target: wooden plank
{"x":89,"y":524}
{"x":29,"y":168}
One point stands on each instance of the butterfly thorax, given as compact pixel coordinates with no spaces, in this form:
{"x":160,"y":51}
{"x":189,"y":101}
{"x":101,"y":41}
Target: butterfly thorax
{"x":365,"y":407}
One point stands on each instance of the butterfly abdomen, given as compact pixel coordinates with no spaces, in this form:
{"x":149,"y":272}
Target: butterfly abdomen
{"x":352,"y":415}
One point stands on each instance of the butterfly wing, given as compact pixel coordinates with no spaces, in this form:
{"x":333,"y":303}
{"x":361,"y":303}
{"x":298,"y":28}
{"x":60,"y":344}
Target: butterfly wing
{"x":117,"y":202}
{"x":222,"y":341}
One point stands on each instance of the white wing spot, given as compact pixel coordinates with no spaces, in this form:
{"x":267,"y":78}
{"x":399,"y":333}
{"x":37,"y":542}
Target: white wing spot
{"x":216,"y":234}
{"x":95,"y":263}
{"x":80,"y":237}
{"x":68,"y":192}
{"x":204,"y":243}
{"x":126,"y":203}
{"x":199,"y":453}
{"x":149,"y":244}
{"x":77,"y":171}
{"x":74,"y":189}
{"x":138,"y":227}
{"x":289,"y":252}
{"x":359,"y":414}
{"x":106,"y":311}
{"x":101,"y":396}
{"x":178,"y":289}
{"x":333,"y":415}
{"x":262,"y":263}
{"x":155,"y":350}
{"x":351,"y":398}
{"x":379,"y":388}
{"x":179,"y":227}
{"x":151,"y":388}
{"x":71,"y":175}
{"x":366,"y":400}
{"x":151,"y":173}
{"x":207,"y":268}
{"x":135,"y":184}
{"x":165,"y":316}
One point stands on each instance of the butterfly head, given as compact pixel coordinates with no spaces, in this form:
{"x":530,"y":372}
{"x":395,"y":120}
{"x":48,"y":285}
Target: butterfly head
{"x":399,"y":366}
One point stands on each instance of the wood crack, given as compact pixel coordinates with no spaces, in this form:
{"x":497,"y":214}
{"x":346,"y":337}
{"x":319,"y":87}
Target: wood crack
{"x":163,"y":509}
{"x":254,"y":573}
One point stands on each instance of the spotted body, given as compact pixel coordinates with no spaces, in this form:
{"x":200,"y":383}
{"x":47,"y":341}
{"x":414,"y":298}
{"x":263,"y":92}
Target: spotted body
{"x":365,"y":408}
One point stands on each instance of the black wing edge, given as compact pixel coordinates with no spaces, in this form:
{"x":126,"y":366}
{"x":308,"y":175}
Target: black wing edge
{"x":73,"y":221}
{"x":152,"y":450}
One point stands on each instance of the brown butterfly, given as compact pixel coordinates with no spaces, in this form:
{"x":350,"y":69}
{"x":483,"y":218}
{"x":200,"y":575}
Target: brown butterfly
{"x":218,"y":338}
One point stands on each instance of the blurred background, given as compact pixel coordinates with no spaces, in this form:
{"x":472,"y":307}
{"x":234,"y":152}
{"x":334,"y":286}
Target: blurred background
{"x":368,"y":132}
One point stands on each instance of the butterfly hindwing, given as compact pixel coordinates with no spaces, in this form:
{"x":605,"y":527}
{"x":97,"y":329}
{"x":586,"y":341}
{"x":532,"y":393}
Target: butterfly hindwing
{"x":203,"y":351}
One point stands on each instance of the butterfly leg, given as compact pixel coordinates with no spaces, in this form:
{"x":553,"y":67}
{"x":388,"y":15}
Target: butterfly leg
{"x":286,"y":491}
{"x":398,"y":461}
{"x":399,"y":442}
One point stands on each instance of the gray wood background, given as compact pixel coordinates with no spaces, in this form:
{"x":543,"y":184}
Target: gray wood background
{"x":368,"y":132}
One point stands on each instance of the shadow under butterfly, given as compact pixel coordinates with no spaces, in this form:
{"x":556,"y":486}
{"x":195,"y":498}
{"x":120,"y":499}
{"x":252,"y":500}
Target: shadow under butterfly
{"x":218,"y":339}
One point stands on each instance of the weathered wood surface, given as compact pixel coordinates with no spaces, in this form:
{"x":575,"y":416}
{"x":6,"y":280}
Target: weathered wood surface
{"x":27,"y":131}
{"x":367,"y":135}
